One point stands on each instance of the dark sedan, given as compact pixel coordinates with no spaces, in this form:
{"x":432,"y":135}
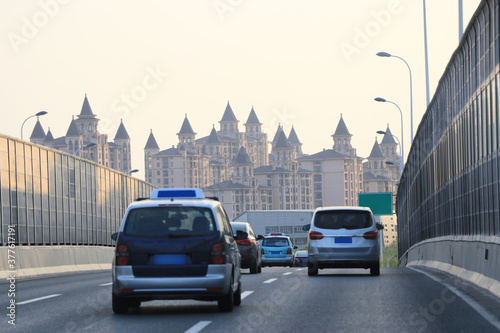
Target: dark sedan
{"x":249,"y":246}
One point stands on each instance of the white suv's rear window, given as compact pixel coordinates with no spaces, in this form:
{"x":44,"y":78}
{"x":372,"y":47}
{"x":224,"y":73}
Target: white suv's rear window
{"x":343,"y":219}
{"x":169,"y":222}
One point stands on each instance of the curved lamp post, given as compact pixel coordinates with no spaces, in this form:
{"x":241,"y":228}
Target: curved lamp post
{"x":131,"y":172}
{"x":41,"y":113}
{"x":401,"y":157}
{"x":380,"y":99}
{"x":92,"y":144}
{"x":385,"y":54}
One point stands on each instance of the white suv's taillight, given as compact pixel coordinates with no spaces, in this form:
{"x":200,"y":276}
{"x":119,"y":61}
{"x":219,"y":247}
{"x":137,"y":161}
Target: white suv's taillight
{"x":315,"y":235}
{"x":370,"y":234}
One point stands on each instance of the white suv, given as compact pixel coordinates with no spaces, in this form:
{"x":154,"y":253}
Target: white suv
{"x":343,"y":237}
{"x":176,"y":245}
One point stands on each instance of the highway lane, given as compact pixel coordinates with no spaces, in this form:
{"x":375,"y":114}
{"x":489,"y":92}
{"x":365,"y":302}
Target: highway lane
{"x":278,"y":300}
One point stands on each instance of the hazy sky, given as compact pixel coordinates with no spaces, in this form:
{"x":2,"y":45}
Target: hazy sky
{"x":298,"y":63}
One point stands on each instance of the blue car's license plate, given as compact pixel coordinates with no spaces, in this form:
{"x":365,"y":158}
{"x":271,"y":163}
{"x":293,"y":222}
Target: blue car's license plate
{"x":169,"y":259}
{"x":343,"y":240}
{"x":275,"y":252}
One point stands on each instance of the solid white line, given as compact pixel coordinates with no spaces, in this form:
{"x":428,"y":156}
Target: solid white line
{"x":485,"y":313}
{"x":106,"y":284}
{"x":198,"y":327}
{"x":270,"y":281}
{"x":37,"y":299}
{"x":287,"y":273}
{"x":245,"y":294}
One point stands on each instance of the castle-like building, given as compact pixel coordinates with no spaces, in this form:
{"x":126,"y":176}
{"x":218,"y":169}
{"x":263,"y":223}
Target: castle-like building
{"x":242,"y":168}
{"x":237,"y":167}
{"x":83,"y":139}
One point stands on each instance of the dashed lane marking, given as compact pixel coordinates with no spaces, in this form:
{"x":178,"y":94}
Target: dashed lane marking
{"x":198,"y":327}
{"x":38,"y":299}
{"x":245,"y":294}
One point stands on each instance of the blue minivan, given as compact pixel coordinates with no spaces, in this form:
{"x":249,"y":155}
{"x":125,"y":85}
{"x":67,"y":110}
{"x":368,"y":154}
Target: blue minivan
{"x":175,"y":245}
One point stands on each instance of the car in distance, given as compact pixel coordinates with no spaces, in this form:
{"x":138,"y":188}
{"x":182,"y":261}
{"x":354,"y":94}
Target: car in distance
{"x":343,"y":237}
{"x":301,"y":258}
{"x":175,"y":245}
{"x":249,"y":246}
{"x":277,"y":250}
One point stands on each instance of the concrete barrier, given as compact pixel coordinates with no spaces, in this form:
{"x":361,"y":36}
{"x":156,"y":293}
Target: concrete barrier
{"x":37,"y":261}
{"x":473,"y":258}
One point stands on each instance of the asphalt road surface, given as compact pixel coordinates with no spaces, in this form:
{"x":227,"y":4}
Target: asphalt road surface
{"x":277,"y":300}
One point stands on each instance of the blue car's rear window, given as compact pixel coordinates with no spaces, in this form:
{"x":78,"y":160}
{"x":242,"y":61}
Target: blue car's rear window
{"x":169,"y":222}
{"x":275,"y":242}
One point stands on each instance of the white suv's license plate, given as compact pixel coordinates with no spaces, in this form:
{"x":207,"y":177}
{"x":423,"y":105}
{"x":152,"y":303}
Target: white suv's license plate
{"x":169,"y":259}
{"x":343,"y":240}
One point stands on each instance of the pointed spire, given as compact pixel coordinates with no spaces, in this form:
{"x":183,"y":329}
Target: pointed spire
{"x":73,"y":129}
{"x":49,"y":138}
{"x":342,"y":128}
{"x":228,"y":114}
{"x":38,"y":132}
{"x":242,"y":157}
{"x":151,"y":143}
{"x":282,"y":142}
{"x":388,"y":138}
{"x":86,"y":111}
{"x":186,"y":127}
{"x":213,"y":137}
{"x":280,"y":129}
{"x":293,"y":138}
{"x":376,"y":151}
{"x":252,"y":118}
{"x":121,"y":134}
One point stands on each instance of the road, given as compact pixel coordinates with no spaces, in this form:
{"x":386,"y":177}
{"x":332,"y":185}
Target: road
{"x":277,"y":300}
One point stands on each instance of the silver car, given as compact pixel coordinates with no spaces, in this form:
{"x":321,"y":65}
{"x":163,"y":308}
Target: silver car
{"x":176,"y":245}
{"x":343,"y":237}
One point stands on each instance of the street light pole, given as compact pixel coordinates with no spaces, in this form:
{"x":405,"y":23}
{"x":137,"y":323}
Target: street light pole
{"x":385,"y":54}
{"x":41,"y":113}
{"x":380,"y":99}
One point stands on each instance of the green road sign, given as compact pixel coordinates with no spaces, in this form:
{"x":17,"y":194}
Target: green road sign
{"x":380,"y":203}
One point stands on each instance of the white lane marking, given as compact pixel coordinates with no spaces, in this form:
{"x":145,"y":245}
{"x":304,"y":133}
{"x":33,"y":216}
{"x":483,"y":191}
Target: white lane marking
{"x":106,"y":284}
{"x":198,"y":327}
{"x":37,"y":299}
{"x":485,"y":313}
{"x":270,"y":281}
{"x":287,"y":273}
{"x":245,"y":294}
{"x":300,"y":269}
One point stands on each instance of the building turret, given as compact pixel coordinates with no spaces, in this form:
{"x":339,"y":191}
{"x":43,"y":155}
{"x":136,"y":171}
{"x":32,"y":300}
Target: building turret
{"x":87,"y":122}
{"x":186,"y":136}
{"x":342,"y":139}
{"x":38,"y":134}
{"x":122,"y":140}
{"x":74,"y":140}
{"x":229,"y":123}
{"x":295,"y":143}
{"x":242,"y":168}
